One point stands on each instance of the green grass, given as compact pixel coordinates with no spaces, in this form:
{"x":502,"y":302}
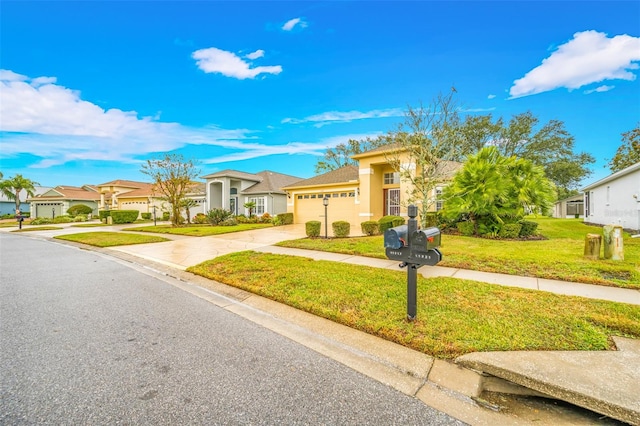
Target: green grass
{"x":454,"y":316}
{"x":89,"y":225}
{"x":38,"y":228}
{"x":559,"y":257}
{"x":109,"y":239}
{"x":200,"y":230}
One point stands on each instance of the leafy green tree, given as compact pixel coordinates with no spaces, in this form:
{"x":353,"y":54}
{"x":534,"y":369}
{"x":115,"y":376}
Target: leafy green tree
{"x":492,"y":189}
{"x":628,"y":152}
{"x":340,"y":155}
{"x":172,"y":178}
{"x":549,"y":145}
{"x":424,"y":147}
{"x":12,"y":188}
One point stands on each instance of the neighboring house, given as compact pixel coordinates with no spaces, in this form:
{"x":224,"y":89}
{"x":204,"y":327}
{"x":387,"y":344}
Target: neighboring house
{"x":615,"y":200}
{"x":132,"y":195}
{"x":56,"y":201}
{"x":569,"y":207}
{"x":232,"y":189}
{"x":369,"y":191}
{"x":8,"y":206}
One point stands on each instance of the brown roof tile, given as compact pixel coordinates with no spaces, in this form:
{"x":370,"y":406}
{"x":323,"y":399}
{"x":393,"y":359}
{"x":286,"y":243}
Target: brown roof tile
{"x":344,"y":174}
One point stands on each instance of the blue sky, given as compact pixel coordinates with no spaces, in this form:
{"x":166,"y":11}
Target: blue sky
{"x":91,"y":90}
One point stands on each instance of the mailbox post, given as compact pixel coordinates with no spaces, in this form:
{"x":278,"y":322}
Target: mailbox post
{"x":415,"y":248}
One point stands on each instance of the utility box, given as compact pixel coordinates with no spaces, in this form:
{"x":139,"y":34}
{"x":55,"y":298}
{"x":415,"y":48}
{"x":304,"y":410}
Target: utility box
{"x":397,"y":237}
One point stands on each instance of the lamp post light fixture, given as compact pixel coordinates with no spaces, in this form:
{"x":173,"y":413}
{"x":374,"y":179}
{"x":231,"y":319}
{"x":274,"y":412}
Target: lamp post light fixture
{"x":325,"y":203}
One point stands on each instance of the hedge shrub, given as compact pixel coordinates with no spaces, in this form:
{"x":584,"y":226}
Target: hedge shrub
{"x":124,"y":216}
{"x":510,"y":230}
{"x":341,"y":228}
{"x":41,"y":221}
{"x":431,"y":219}
{"x":285,"y":218}
{"x":370,"y":227}
{"x":390,"y":221}
{"x":166,"y":216}
{"x":528,"y":229}
{"x":465,"y":228}
{"x":145,"y":216}
{"x":62,"y":219}
{"x":104,"y":214}
{"x":217,"y":216}
{"x":79,"y":209}
{"x":200,"y":219}
{"x":312,"y":228}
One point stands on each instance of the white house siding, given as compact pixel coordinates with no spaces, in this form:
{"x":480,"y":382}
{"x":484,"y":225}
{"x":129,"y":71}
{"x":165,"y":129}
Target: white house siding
{"x":615,"y":200}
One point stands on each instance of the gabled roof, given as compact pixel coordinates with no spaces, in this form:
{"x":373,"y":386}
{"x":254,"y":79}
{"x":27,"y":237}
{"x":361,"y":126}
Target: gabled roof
{"x":142,"y":190}
{"x":124,"y":183}
{"x":233,"y":174}
{"x":272,"y":182}
{"x":86,"y":192}
{"x":616,"y":175}
{"x":345,"y":174}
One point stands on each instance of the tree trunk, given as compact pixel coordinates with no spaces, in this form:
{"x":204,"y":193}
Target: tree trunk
{"x":613,"y":246}
{"x":592,"y":246}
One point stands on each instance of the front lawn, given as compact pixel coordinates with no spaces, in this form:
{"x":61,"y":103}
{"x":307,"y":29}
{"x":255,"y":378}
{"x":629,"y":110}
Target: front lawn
{"x":454,"y":316}
{"x":558,"y":257}
{"x":109,"y":239}
{"x":199,"y":230}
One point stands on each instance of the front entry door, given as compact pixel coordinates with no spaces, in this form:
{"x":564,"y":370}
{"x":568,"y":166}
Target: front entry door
{"x":392,"y":202}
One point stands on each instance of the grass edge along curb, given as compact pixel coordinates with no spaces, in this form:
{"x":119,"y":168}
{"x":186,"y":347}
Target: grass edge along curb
{"x":454,"y":316}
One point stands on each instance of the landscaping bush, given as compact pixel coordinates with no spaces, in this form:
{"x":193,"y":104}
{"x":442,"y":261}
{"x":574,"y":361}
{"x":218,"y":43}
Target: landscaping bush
{"x":62,"y":219}
{"x":285,"y":218}
{"x":465,"y":228}
{"x":341,"y":228}
{"x":431,"y":219}
{"x":124,"y":216}
{"x":79,"y":209}
{"x":266,"y":217}
{"x":41,"y":221}
{"x":200,"y":219}
{"x":510,"y":230}
{"x":104,"y":214}
{"x":242,"y":219}
{"x":230,"y":221}
{"x":312,"y":228}
{"x":166,"y":216}
{"x":528,"y":229}
{"x":217,"y":216}
{"x":390,"y":221}
{"x":145,"y":216}
{"x":370,"y":227}
{"x":80,"y":218}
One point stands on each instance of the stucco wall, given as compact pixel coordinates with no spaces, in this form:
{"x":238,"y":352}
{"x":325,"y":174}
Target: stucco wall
{"x":613,"y":202}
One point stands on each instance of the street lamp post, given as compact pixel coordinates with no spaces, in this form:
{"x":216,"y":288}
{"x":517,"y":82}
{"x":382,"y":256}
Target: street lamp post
{"x":325,"y":203}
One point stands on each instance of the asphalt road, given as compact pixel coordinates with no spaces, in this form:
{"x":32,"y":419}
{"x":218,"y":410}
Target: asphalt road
{"x":86,"y":339}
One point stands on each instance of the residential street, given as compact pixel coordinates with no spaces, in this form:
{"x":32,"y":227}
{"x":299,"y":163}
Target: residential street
{"x":86,"y":339}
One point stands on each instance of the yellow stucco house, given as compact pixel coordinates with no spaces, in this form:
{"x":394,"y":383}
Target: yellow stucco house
{"x":369,"y":191}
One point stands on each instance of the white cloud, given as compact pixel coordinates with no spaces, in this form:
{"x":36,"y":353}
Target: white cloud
{"x":590,"y":57}
{"x":345,"y":117}
{"x":309,"y":148}
{"x":255,"y":55}
{"x":292,"y":23}
{"x":491,"y":96}
{"x":599,"y":89}
{"x":214,"y":60}
{"x":56,"y":125}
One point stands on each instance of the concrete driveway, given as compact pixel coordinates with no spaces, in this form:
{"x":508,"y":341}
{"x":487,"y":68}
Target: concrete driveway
{"x":184,"y":252}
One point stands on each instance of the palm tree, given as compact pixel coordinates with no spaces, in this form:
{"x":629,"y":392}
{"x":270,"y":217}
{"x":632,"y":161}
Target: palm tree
{"x":187,"y":204}
{"x":13,"y":187}
{"x":250,"y":205}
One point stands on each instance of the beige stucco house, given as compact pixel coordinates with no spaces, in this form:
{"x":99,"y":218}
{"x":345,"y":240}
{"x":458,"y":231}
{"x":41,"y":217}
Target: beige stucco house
{"x":56,"y":201}
{"x":369,"y":191}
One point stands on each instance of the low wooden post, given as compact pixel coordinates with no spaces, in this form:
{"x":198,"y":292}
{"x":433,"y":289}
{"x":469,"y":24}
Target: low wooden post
{"x":607,"y":241}
{"x":592,"y":244}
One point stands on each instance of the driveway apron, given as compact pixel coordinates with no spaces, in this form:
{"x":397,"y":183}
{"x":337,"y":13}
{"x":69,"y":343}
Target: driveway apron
{"x":186,"y":252}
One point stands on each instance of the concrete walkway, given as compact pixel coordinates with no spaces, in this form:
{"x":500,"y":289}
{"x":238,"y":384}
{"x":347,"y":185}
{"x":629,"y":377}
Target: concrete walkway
{"x":605,"y":382}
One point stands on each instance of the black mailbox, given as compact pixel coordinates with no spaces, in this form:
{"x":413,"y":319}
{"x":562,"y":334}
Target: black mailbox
{"x":426,"y":239}
{"x":394,"y":238}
